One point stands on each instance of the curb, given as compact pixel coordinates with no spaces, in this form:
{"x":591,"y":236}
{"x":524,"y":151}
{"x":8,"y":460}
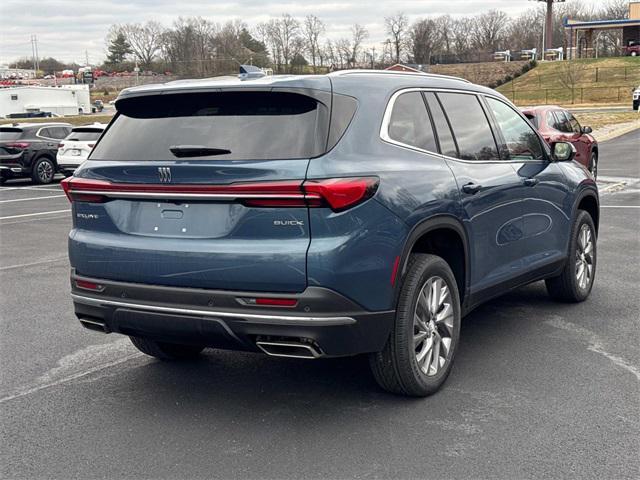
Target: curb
{"x":623,"y":130}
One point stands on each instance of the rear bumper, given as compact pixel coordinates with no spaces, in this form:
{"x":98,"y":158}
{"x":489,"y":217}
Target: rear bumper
{"x":215,"y":318}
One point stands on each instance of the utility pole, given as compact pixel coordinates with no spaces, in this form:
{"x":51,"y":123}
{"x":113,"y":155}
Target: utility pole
{"x":86,"y":57}
{"x":548,"y":25}
{"x":34,"y":53}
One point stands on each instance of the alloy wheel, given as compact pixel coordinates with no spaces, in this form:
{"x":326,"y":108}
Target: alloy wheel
{"x":45,"y":172}
{"x":584,"y":257}
{"x":433,"y":326}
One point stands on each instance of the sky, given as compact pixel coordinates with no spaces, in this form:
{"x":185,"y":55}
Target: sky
{"x":71,"y":30}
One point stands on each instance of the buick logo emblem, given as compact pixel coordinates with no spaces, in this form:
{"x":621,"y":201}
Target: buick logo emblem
{"x":164,"y":173}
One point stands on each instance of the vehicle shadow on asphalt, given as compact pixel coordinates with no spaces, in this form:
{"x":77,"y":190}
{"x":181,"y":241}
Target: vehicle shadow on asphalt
{"x":232,"y":383}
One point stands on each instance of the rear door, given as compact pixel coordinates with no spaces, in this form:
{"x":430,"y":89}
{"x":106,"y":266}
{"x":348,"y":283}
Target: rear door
{"x":488,"y":187}
{"x":200,"y":190}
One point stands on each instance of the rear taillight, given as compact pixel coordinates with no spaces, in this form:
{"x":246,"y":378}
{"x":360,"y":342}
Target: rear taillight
{"x":20,"y":145}
{"x":91,"y":145}
{"x":341,"y":193}
{"x":60,"y":145}
{"x":335,"y":193}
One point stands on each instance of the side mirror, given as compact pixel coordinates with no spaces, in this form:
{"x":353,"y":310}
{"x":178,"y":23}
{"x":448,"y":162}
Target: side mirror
{"x":587,"y":129}
{"x":563,"y":151}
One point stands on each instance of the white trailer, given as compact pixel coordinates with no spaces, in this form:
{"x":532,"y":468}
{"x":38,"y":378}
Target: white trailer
{"x":61,"y":100}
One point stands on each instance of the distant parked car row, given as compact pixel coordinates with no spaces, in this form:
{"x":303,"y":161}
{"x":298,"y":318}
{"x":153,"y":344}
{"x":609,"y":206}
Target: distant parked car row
{"x":40,"y":150}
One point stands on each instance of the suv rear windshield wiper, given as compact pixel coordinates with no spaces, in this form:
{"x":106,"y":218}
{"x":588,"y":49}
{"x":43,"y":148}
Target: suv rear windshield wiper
{"x":181,"y":151}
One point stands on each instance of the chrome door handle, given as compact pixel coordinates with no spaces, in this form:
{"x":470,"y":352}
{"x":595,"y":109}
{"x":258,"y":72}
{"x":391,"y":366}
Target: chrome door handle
{"x":531,"y":182}
{"x":471,"y":188}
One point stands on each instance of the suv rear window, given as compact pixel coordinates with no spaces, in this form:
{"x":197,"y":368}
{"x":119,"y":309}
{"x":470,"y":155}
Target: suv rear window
{"x":249,"y":125}
{"x":84,"y":134}
{"x":10,"y":133}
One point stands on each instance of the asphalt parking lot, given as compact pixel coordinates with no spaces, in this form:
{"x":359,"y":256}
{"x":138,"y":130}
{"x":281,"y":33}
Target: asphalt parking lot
{"x":538,"y":390}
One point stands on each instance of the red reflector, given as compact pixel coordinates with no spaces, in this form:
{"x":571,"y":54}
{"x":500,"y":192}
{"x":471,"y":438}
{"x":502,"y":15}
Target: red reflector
{"x":277,"y":302}
{"x":89,"y":285}
{"x":394,"y":271}
{"x":342,"y":193}
{"x":91,"y":145}
{"x":60,"y":145}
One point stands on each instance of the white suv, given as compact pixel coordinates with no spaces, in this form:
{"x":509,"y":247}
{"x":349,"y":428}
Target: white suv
{"x":77,"y":146}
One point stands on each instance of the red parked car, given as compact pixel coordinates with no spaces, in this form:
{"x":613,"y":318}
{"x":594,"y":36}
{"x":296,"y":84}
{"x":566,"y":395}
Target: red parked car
{"x":558,"y":125}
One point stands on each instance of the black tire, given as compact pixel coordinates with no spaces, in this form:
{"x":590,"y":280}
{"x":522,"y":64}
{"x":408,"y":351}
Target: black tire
{"x":43,"y":171}
{"x":593,"y":164}
{"x":166,"y":351}
{"x":2,"y":179}
{"x":396,"y":367}
{"x":567,"y":287}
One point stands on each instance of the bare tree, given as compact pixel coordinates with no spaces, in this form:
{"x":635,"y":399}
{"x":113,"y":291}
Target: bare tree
{"x":358,"y":35}
{"x":145,"y":40}
{"x":425,"y":37}
{"x":571,"y":74}
{"x":312,"y":28}
{"x":283,"y":36}
{"x":463,"y":36}
{"x":489,"y":30}
{"x":397,"y":26}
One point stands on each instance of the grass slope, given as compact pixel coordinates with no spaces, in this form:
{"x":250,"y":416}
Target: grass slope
{"x":586,"y":81}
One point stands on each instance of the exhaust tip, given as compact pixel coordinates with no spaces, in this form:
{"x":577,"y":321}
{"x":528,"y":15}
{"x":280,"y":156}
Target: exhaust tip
{"x":289,"y":349}
{"x":94,"y":325}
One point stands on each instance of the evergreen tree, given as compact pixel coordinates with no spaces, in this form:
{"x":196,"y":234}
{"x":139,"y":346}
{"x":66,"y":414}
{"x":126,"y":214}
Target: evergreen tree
{"x":118,"y":48}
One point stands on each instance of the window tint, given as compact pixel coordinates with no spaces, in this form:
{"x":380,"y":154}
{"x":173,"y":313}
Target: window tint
{"x":445,"y":137}
{"x":249,"y":125}
{"x":522,"y":143}
{"x":410,"y":123}
{"x":44,"y":132}
{"x":575,"y":125}
{"x":532,"y":119}
{"x":10,"y":133}
{"x":58,"y":132}
{"x":562,"y":122}
{"x":470,"y":126}
{"x":84,"y":135}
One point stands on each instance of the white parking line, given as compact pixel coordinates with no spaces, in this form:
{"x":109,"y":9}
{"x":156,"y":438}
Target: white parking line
{"x":34,"y":214}
{"x":23,"y":265}
{"x":31,"y":198}
{"x":619,"y":206}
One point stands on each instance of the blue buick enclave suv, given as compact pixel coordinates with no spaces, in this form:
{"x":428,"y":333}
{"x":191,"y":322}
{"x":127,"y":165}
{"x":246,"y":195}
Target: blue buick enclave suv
{"x":312,"y":216}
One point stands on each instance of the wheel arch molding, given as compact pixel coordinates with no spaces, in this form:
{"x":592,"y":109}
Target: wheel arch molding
{"x":589,"y":199}
{"x":447,"y":224}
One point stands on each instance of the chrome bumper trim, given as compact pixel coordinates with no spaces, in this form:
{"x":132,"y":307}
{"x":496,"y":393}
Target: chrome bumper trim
{"x":249,"y":317}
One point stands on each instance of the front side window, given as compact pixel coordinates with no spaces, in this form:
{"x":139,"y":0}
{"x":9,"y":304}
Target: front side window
{"x":573,"y":121}
{"x":470,"y":126}
{"x":562,"y":122}
{"x":409,"y":123}
{"x":522,"y":143}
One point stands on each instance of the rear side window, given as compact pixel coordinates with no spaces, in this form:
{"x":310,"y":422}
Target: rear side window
{"x":58,"y":132}
{"x":410,"y":124}
{"x":226,"y":126}
{"x":522,"y":143}
{"x":84,"y":134}
{"x":470,"y":126}
{"x":445,"y":136}
{"x":10,"y":133}
{"x":560,"y":122}
{"x":44,"y":132}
